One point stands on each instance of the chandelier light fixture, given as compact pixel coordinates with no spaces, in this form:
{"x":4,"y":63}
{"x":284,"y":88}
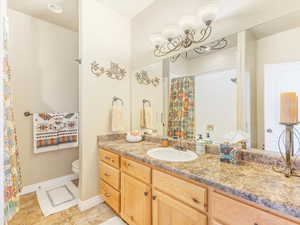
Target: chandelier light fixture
{"x":203,"y":49}
{"x":190,"y":30}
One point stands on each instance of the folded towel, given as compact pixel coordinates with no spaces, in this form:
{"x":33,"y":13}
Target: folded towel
{"x":117,"y":118}
{"x":146,"y":117}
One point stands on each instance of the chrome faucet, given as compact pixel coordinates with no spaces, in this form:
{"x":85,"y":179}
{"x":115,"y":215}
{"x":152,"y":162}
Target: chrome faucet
{"x":179,"y":146}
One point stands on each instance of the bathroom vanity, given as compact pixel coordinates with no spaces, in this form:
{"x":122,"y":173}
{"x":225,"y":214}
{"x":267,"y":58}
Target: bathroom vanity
{"x":144,"y":191}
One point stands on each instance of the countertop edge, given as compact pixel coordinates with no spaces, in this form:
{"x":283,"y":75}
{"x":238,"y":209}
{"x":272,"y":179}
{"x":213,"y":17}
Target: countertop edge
{"x":281,"y":208}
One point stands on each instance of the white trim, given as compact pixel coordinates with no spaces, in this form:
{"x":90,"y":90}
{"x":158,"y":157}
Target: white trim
{"x":87,"y":204}
{"x":33,"y":187}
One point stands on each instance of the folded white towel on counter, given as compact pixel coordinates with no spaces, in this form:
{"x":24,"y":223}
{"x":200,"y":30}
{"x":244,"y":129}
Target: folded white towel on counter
{"x":117,"y":118}
{"x":146,"y":117}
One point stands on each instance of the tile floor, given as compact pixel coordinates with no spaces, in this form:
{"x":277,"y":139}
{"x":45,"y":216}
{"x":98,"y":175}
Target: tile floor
{"x":31,"y":214}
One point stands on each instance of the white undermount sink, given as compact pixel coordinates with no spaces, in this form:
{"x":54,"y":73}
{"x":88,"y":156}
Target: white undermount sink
{"x":172,"y":155}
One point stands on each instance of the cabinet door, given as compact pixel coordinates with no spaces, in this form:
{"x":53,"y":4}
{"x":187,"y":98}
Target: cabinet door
{"x":168,"y":211}
{"x":136,"y":201}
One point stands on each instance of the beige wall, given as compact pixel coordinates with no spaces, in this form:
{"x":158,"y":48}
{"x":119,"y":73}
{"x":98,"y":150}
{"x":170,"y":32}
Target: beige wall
{"x":44,"y":79}
{"x":104,"y":37}
{"x":274,"y":49}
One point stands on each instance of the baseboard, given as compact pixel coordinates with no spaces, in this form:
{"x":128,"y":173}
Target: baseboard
{"x":87,"y":204}
{"x":32,"y":188}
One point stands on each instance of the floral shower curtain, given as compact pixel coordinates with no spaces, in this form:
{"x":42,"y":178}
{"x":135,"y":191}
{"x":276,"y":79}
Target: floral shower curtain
{"x":12,"y":171}
{"x":182,"y":108}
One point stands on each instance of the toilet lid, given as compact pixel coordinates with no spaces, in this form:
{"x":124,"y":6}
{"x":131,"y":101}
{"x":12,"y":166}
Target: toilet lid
{"x":75,"y":164}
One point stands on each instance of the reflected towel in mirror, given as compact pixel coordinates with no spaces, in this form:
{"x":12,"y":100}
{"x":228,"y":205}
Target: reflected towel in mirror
{"x":146,"y":117}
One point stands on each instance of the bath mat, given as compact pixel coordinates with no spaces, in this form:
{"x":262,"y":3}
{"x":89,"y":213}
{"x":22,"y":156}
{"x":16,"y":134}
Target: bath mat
{"x":114,"y":221}
{"x":56,"y":198}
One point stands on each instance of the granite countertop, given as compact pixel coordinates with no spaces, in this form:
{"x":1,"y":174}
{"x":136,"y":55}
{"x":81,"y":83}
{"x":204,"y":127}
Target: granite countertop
{"x":251,"y":181}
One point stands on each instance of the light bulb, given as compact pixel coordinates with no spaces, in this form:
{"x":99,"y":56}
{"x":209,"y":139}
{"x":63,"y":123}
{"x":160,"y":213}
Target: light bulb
{"x":157,"y":39}
{"x":171,"y":32}
{"x":187,"y":23}
{"x":208,"y":13}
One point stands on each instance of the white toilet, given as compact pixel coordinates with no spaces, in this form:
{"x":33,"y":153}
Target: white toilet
{"x":75,"y":167}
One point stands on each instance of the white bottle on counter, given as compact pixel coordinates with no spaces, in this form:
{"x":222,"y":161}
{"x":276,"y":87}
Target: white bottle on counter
{"x":201,"y":145}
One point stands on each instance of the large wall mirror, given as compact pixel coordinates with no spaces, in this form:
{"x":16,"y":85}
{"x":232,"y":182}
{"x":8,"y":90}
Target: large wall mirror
{"x":276,"y":69}
{"x":203,"y":91}
{"x":230,"y":85}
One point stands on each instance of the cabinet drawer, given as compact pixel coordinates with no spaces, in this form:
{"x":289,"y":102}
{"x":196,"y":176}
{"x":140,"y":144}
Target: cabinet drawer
{"x":189,"y":193}
{"x":233,"y":212}
{"x":110,"y":158}
{"x":110,"y":196}
{"x":136,"y":170}
{"x":110,"y":175}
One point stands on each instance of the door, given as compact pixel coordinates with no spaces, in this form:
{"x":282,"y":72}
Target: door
{"x":168,"y":211}
{"x":278,"y":78}
{"x":209,"y":101}
{"x":135,"y":201}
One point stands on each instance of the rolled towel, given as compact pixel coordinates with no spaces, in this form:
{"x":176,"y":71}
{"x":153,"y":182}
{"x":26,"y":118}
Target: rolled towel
{"x":117,"y":118}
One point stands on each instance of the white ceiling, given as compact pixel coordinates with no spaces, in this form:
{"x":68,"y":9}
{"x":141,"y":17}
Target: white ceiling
{"x":275,"y":26}
{"x":127,"y":8}
{"x":38,"y":8}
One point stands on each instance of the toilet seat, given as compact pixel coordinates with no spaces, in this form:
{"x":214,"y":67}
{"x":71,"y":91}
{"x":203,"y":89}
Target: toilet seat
{"x":76,"y":167}
{"x":75,"y":164}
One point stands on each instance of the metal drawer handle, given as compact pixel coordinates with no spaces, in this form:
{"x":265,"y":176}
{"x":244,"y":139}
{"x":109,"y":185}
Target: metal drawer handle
{"x":106,"y":174}
{"x":255,"y":223}
{"x":154,"y":197}
{"x":196,"y":201}
{"x":146,"y":193}
{"x":107,"y":195}
{"x":110,"y":159}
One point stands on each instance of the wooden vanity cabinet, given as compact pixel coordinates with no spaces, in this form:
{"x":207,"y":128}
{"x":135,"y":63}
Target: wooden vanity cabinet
{"x":135,"y":201}
{"x":143,"y":195}
{"x":168,"y":211}
{"x":232,"y":212}
{"x":109,"y":182}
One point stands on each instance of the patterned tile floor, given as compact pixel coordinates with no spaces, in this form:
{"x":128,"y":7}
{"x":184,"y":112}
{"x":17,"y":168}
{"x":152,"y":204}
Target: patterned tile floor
{"x":31,"y":214}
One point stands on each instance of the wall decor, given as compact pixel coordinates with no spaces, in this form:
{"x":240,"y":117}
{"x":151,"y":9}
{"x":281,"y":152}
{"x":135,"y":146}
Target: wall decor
{"x":114,"y":72}
{"x":143,"y":78}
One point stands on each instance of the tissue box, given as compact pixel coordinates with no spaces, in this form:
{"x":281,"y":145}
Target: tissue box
{"x":228,"y":154}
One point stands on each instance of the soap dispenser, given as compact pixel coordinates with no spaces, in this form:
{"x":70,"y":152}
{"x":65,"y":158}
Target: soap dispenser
{"x":200,"y":145}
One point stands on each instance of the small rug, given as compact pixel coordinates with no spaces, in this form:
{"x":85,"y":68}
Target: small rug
{"x":57,"y":197}
{"x":114,"y":221}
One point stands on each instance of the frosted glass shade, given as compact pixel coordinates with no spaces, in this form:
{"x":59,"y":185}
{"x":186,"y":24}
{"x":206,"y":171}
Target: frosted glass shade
{"x":171,"y":32}
{"x":157,"y":39}
{"x":188,"y":23}
{"x":208,"y":13}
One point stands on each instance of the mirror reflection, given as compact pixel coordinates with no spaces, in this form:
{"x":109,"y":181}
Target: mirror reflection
{"x":228,"y":86}
{"x":201,"y":82}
